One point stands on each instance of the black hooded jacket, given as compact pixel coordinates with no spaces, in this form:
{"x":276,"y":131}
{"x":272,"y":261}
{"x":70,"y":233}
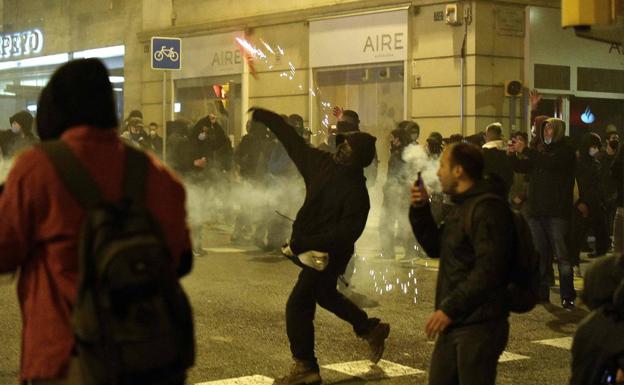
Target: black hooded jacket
{"x":336,"y":206}
{"x":216,"y":147}
{"x":474,"y":268}
{"x":588,"y":176}
{"x":551,"y":173}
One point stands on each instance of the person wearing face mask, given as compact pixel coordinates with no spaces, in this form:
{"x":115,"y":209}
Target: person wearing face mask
{"x":590,"y":214}
{"x":332,"y":218}
{"x":349,"y":121}
{"x":155,"y":141}
{"x":210,"y":176}
{"x":550,"y":166}
{"x":19,"y":136}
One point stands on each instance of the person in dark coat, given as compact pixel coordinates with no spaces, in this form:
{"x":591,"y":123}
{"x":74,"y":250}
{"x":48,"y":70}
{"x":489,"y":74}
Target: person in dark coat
{"x":471,"y":312}
{"x":550,"y":166}
{"x":518,"y":194}
{"x":212,"y":148}
{"x":332,"y":218}
{"x":19,"y":137}
{"x":251,"y":159}
{"x":598,"y":346}
{"x":590,"y":213}
{"x":495,"y":155}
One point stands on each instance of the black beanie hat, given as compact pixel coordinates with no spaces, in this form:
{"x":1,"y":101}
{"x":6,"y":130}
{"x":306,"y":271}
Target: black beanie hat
{"x":24,"y":119}
{"x":79,"y":93}
{"x":363,"y":146}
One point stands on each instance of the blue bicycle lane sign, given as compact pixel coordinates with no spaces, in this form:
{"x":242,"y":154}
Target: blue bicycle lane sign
{"x":166,"y":53}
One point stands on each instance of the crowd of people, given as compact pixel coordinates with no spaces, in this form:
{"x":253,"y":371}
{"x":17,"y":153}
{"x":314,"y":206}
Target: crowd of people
{"x":311,"y":204}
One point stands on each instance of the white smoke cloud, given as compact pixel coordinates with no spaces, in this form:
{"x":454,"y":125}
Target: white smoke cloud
{"x":417,"y":161}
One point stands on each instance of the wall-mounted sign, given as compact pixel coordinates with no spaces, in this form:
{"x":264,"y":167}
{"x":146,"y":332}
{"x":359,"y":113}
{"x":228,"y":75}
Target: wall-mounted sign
{"x":211,"y":55}
{"x":373,"y":38}
{"x":588,"y":116}
{"x":20,"y":44}
{"x":166,"y":53}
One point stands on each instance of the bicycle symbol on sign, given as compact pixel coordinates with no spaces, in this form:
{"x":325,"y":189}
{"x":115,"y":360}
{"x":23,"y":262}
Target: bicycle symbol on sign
{"x":166,"y":52}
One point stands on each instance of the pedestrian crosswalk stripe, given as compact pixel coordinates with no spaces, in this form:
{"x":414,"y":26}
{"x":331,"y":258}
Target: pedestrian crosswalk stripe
{"x":248,"y":380}
{"x":561,"y":343}
{"x":507,"y":357}
{"x":368,"y":371}
{"x":223,"y":250}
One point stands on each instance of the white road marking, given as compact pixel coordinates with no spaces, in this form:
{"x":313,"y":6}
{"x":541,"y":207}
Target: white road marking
{"x":248,"y":380}
{"x":561,"y":343}
{"x":224,"y":250}
{"x":507,"y":357}
{"x":368,"y":371}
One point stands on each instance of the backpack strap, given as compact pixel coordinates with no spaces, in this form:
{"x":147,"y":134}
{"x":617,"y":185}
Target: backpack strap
{"x":135,"y":176}
{"x":472,"y":205}
{"x":73,"y":174}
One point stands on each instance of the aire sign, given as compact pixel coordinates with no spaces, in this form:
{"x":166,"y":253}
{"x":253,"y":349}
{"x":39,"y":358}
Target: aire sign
{"x":211,"y":55}
{"x":20,"y":44}
{"x":369,"y":38}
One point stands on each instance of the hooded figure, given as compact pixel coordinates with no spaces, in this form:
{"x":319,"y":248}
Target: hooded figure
{"x":68,"y":99}
{"x":591,"y":205}
{"x":211,"y":143}
{"x":19,"y":136}
{"x":332,"y":218}
{"x":550,"y":166}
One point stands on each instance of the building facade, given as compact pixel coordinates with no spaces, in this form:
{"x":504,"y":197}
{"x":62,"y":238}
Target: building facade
{"x":388,"y":60}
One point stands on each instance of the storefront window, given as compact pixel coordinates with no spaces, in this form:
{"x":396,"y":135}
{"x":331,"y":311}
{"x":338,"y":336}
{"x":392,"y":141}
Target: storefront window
{"x":375,"y":92}
{"x":219,"y":95}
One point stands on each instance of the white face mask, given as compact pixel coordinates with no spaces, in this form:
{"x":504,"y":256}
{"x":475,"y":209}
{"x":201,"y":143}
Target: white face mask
{"x":548,"y":141}
{"x":201,"y":136}
{"x":15,"y":129}
{"x":593,"y":151}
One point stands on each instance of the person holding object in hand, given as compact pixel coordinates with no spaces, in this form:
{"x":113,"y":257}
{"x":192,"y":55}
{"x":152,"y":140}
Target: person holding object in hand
{"x":470,"y":320}
{"x":332,"y":218}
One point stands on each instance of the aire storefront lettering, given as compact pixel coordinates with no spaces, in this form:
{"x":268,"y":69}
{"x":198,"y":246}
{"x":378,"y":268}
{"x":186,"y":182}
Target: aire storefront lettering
{"x":227,"y":58}
{"x":384,"y":43}
{"x":20,"y":44}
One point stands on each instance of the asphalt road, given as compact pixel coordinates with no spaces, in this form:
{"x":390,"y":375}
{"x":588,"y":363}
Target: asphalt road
{"x":239,"y":295}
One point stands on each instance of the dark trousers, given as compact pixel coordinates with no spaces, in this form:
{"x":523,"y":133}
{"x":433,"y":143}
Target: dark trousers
{"x":580,"y":227}
{"x":549,"y":236}
{"x":311,"y":288}
{"x":468,"y":355}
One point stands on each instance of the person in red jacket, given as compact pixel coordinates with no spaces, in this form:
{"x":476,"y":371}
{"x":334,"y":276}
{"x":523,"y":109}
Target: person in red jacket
{"x":41,"y":221}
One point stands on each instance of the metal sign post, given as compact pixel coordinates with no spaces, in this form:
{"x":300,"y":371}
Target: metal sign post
{"x":166,"y":53}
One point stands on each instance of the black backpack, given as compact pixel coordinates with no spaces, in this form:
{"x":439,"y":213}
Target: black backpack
{"x":132,"y":321}
{"x":523,"y":287}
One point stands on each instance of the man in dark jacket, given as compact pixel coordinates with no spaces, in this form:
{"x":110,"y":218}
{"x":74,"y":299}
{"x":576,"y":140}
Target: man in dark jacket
{"x":471,"y":312}
{"x":598,"y":346}
{"x":550,"y":165}
{"x":495,"y":155}
{"x":590,"y":213}
{"x":332,"y":218}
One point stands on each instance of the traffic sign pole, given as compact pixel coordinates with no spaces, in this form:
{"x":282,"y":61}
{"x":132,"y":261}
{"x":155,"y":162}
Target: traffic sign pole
{"x":164,"y":116}
{"x":166,"y":55}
